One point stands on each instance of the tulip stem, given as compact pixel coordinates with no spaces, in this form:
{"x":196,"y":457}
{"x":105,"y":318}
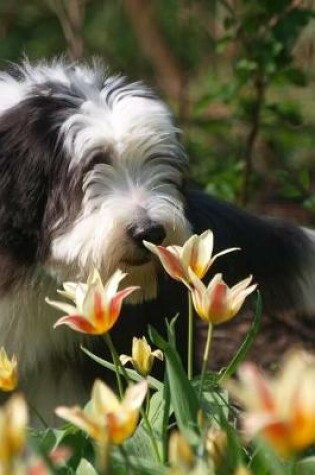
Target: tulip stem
{"x":190,"y":337}
{"x":38,"y":415}
{"x":151,"y":435}
{"x":115,"y":358}
{"x":147,"y":402}
{"x":205,"y":359}
{"x":129,"y":468}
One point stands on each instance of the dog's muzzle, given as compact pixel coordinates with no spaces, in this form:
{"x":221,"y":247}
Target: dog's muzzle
{"x":146,"y":230}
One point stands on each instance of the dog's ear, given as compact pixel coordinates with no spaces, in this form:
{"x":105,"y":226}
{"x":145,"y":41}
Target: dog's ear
{"x":279,"y":255}
{"x":31,"y":161}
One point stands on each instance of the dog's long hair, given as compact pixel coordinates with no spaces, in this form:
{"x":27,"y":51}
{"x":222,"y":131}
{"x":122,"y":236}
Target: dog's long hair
{"x":90,"y":166}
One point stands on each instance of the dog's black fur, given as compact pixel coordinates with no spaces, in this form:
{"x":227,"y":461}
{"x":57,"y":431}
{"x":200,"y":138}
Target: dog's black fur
{"x":274,"y":251}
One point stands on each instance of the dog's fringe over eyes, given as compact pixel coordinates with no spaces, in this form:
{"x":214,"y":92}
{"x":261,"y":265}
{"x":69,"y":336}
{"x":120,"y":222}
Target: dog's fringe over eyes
{"x":90,"y":167}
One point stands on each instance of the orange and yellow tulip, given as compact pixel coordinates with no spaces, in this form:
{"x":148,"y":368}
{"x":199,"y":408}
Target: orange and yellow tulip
{"x":195,"y":254}
{"x":218,"y":303}
{"x":96,"y":306}
{"x":13,"y":420}
{"x":281,"y":409}
{"x":107,"y":418}
{"x":8,"y":372}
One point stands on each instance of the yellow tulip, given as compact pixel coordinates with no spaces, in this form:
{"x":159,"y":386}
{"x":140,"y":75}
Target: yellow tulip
{"x":142,"y":356}
{"x":241,"y":470}
{"x":13,"y":420}
{"x":107,"y":418}
{"x":216,"y":445}
{"x":195,"y":254}
{"x":181,"y":455}
{"x":96,"y":307}
{"x":281,"y":409}
{"x":8,"y":372}
{"x":218,"y":303}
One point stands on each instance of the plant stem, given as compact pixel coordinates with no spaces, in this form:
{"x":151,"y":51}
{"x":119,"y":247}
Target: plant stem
{"x":151,"y":435}
{"x":102,"y":450}
{"x":255,"y":124}
{"x":190,"y":337}
{"x":38,"y":415}
{"x":116,"y":362}
{"x":147,"y":402}
{"x":125,"y":456}
{"x":205,"y":359}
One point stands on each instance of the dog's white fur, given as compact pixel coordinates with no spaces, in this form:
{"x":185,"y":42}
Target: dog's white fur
{"x":130,"y":128}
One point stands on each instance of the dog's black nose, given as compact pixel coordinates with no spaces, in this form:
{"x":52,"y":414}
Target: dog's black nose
{"x":146,"y":231}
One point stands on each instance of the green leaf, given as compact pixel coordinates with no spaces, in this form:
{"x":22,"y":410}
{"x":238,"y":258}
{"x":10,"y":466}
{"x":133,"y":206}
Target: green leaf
{"x":305,"y":178}
{"x":266,"y":462}
{"x":132,"y":374}
{"x":306,"y":466}
{"x":215,"y":403}
{"x":167,"y":412}
{"x":156,"y":408}
{"x":138,"y":465}
{"x":140,"y":444}
{"x":85,"y":468}
{"x":183,"y":397}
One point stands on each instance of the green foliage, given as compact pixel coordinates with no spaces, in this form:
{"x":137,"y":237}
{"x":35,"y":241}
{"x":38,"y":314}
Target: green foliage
{"x":246,"y":84}
{"x":185,"y":408}
{"x":264,"y":35}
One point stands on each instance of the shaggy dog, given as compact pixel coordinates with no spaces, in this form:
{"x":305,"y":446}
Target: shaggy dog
{"x":90,"y":166}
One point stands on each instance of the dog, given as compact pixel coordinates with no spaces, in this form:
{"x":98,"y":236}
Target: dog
{"x":90,"y":166}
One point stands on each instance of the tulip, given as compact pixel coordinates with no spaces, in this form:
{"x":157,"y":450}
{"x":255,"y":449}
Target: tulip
{"x":216,"y":445}
{"x":142,"y":356}
{"x":107,"y":418}
{"x":195,"y":254}
{"x":218,"y":303}
{"x":241,"y":470}
{"x":181,"y":455}
{"x":58,"y":457}
{"x":13,"y":420}
{"x":281,"y":409}
{"x":8,"y":372}
{"x":96,"y":307}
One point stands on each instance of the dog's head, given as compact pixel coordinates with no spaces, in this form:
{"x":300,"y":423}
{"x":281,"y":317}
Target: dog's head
{"x":93,"y":166}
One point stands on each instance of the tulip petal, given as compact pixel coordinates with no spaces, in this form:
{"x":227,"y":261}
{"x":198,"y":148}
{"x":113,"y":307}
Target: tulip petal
{"x":116,"y":303}
{"x":111,"y":286}
{"x":189,"y":251}
{"x":124,"y":359}
{"x":258,"y":386}
{"x":197,"y":253}
{"x":170,"y":260}
{"x":78,"y":323}
{"x":218,"y":308}
{"x":104,"y":399}
{"x":76,"y":416}
{"x":195,"y":281}
{"x":135,"y":395}
{"x":243,"y":284}
{"x":69,"y":290}
{"x":226,"y":251}
{"x":94,"y":279}
{"x":80,"y":295}
{"x":99,"y":309}
{"x":158,"y":354}
{"x":121,"y":425}
{"x":65,"y":307}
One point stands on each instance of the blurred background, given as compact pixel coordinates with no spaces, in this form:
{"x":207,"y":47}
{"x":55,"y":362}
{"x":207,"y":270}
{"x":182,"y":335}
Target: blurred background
{"x":239,"y":76}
